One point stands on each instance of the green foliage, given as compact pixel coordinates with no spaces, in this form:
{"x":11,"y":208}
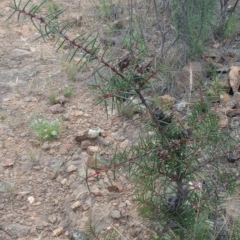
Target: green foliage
{"x":174,"y":183}
{"x":45,"y":129}
{"x":68,"y":91}
{"x":232,"y":25}
{"x":215,"y":88}
{"x":191,"y":20}
{"x":53,"y":6}
{"x":105,"y":8}
{"x":52,"y":98}
{"x":71,"y":69}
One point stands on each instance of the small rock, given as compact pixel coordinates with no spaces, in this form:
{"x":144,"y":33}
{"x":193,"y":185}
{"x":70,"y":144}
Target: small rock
{"x":124,"y":144}
{"x":57,"y":232}
{"x":52,"y":218}
{"x":35,"y":143}
{"x":76,"y":205}
{"x":85,"y":206}
{"x":115,"y":187}
{"x":96,"y":161}
{"x":66,"y":117}
{"x":115,"y":214}
{"x":65,"y":148}
{"x":77,"y":235}
{"x":92,"y":149}
{"x":52,"y":175}
{"x":235,"y":122}
{"x":64,"y":181}
{"x":17,"y":230}
{"x":8,"y":163}
{"x":180,"y":106}
{"x":33,"y":49}
{"x":31,"y":199}
{"x":56,"y":108}
{"x":90,"y":172}
{"x":45,"y":146}
{"x":63,"y":151}
{"x":104,"y":133}
{"x":85,"y":144}
{"x":60,"y":99}
{"x":77,"y":113}
{"x":75,"y":157}
{"x":71,"y":168}
{"x":95,"y":190}
{"x":82,"y":136}
{"x":94,"y":133}
{"x":27,"y":99}
{"x":20,"y":53}
{"x":122,"y":205}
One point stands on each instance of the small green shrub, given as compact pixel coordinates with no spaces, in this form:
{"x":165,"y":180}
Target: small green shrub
{"x":45,"y":129}
{"x":68,"y":91}
{"x":71,"y":69}
{"x":192,"y":21}
{"x":215,"y":88}
{"x":232,"y":25}
{"x":53,"y":6}
{"x":52,"y":98}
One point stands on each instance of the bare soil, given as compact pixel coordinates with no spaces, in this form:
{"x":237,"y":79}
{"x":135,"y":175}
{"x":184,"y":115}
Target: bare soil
{"x":37,"y":190}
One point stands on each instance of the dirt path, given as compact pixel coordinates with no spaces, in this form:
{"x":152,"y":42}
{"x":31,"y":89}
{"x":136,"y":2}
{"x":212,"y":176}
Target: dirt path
{"x":37,"y":187}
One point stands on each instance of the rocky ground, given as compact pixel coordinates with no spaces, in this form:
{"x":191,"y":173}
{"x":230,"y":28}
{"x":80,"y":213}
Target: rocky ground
{"x":43,"y":192}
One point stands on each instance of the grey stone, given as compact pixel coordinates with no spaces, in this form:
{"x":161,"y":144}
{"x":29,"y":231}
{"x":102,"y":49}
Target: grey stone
{"x":115,"y":214}
{"x":52,"y":218}
{"x":180,"y":106}
{"x":77,"y":235}
{"x":45,"y":146}
{"x":66,"y":117}
{"x":56,"y":108}
{"x":55,"y":164}
{"x":20,"y":53}
{"x":75,"y":157}
{"x":18,"y":230}
{"x":71,"y":168}
{"x":27,"y":99}
{"x":92,"y":133}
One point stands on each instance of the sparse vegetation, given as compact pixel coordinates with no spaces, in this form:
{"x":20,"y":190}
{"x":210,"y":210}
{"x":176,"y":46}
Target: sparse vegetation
{"x":71,"y":69}
{"x":68,"y":91}
{"x":232,"y":25}
{"x":53,"y":6}
{"x":52,"y":98}
{"x":45,"y":129}
{"x":215,"y":88}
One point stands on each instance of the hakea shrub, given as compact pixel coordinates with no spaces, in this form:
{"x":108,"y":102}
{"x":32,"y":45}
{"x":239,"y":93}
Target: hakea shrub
{"x":179,"y":166}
